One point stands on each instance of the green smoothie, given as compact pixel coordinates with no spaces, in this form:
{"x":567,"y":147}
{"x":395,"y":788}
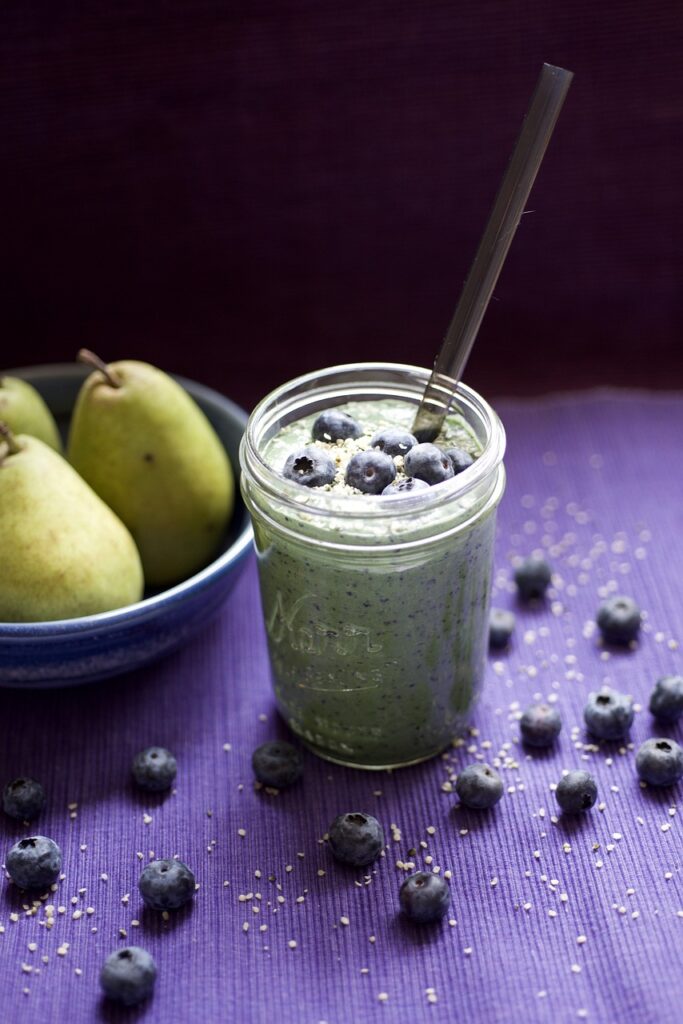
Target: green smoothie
{"x":376,"y":608}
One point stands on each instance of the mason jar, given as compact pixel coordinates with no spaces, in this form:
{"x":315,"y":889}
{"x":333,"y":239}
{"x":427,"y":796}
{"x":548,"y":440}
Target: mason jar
{"x":376,"y":608}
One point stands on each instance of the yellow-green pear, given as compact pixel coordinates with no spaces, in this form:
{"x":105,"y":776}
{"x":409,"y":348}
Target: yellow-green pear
{"x":149,"y":451}
{"x":24,"y":411}
{"x":64,"y":553}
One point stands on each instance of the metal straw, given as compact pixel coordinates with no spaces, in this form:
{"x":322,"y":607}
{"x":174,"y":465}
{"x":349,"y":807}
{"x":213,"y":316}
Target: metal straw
{"x":546,"y":103}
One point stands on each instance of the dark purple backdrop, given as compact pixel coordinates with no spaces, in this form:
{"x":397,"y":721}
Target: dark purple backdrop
{"x":243,"y":191}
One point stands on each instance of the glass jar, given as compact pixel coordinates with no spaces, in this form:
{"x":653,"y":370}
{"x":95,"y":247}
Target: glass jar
{"x":376,"y":608}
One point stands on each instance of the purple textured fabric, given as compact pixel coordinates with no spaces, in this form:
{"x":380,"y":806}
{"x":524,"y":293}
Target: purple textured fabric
{"x":596,"y":481}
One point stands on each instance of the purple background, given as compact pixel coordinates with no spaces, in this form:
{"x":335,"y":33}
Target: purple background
{"x":595,"y":481}
{"x":243,"y":191}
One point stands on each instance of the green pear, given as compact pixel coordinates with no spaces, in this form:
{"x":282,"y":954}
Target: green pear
{"x":144,"y":445}
{"x":64,"y":552}
{"x":24,"y":411}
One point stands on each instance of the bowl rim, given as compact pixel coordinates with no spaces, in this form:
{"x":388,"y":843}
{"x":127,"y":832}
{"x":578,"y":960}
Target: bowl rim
{"x":148,"y":606}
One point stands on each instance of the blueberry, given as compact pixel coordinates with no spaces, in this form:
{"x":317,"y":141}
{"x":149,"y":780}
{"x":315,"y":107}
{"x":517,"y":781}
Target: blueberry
{"x":424,"y":897}
{"x":408,"y":485}
{"x":479,"y":786}
{"x":608,"y":714}
{"x":460,"y":459}
{"x":34,"y":863}
{"x":660,"y":762}
{"x":277,"y":764}
{"x":576,"y":792}
{"x":128,"y":975}
{"x":501,"y":628}
{"x":356,"y":838}
{"x":23,"y":799}
{"x":540,"y":725}
{"x":666,"y":701}
{"x":166,"y":884}
{"x":310,"y":467}
{"x":335,"y":425}
{"x":618,"y":620}
{"x":154,"y":769}
{"x":428,"y":463}
{"x":370,"y":472}
{"x":532,"y":577}
{"x":393,"y":441}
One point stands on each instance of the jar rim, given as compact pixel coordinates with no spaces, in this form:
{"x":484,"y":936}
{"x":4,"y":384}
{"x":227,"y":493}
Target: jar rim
{"x":401,"y":380}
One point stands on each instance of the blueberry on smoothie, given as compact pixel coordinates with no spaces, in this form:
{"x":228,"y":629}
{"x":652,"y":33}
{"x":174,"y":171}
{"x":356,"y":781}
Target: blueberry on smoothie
{"x":356,"y":838}
{"x":532,"y":577}
{"x":277,"y":763}
{"x":34,"y":863}
{"x":128,"y":975}
{"x":166,"y":884}
{"x":370,"y":472}
{"x":540,"y":725}
{"x":310,"y":467}
{"x":501,"y":628}
{"x":335,"y":425}
{"x":659,"y":762}
{"x":428,"y":463}
{"x":479,"y":786}
{"x":460,"y":459}
{"x":619,"y":620}
{"x":424,"y":897}
{"x":23,"y":799}
{"x":393,"y":441}
{"x":666,"y":700}
{"x":576,"y":792}
{"x":409,"y":485}
{"x":608,"y":714}
{"x":154,"y":769}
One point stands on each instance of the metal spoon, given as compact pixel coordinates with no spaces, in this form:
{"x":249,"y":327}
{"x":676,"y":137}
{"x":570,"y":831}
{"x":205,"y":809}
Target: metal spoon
{"x":544,"y":109}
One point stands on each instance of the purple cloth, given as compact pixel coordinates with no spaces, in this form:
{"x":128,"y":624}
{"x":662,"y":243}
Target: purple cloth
{"x":597,"y":480}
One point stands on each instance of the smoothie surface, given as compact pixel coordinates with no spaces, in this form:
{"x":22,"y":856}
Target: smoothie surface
{"x":372,"y":415}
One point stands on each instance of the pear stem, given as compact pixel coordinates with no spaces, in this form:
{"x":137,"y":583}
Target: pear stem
{"x":13,"y":448}
{"x":111,"y":376}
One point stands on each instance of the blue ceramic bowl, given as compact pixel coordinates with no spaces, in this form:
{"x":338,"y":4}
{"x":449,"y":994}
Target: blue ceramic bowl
{"x":71,"y":651}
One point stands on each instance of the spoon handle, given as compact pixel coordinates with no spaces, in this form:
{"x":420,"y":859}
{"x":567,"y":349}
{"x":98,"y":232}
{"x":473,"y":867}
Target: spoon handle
{"x":544,"y":109}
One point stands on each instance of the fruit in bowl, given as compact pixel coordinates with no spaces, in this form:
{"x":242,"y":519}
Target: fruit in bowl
{"x":70,"y":646}
{"x":24,"y":411}
{"x":147,"y":449}
{"x":65,"y":553}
